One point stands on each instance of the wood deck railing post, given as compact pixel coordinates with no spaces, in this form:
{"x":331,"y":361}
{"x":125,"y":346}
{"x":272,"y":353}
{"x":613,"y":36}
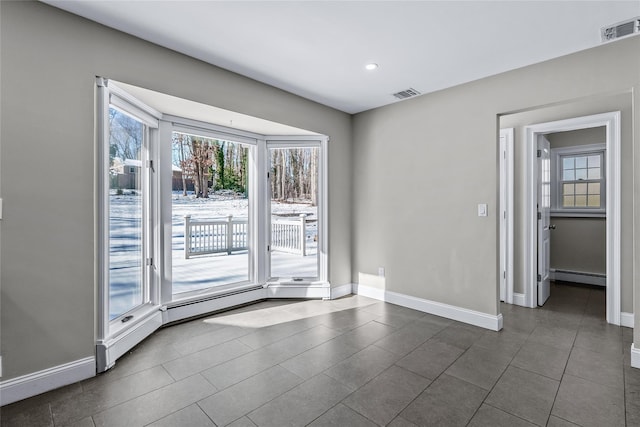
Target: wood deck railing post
{"x":303,"y":234}
{"x":229,"y":234}
{"x":187,"y":235}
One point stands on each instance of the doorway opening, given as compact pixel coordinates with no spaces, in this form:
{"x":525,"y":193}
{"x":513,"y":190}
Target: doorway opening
{"x":538,"y":197}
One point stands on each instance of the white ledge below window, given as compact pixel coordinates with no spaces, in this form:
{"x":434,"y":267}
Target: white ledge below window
{"x":571,"y":213}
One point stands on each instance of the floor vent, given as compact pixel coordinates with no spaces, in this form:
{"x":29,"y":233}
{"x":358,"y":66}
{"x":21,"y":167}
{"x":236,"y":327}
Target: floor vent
{"x":621,"y":29}
{"x":407,"y":93}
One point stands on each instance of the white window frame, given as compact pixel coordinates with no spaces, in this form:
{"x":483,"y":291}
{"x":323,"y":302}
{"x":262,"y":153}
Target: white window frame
{"x":557,"y":154}
{"x":115,"y":337}
{"x":301,"y":142}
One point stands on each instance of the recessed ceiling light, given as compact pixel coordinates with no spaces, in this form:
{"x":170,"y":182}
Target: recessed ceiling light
{"x":371,"y":66}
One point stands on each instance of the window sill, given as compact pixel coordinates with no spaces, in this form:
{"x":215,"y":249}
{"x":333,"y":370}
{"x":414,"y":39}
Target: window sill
{"x":578,"y":214}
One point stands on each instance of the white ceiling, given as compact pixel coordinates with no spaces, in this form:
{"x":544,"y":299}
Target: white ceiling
{"x":318,"y":49}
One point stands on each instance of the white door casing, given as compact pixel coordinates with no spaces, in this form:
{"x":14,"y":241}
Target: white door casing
{"x":611,"y":121}
{"x":544,"y":218}
{"x":506,"y":162}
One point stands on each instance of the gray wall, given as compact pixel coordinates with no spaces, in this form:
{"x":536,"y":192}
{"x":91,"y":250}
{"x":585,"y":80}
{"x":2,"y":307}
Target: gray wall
{"x":579,"y":244}
{"x":586,"y":106}
{"x":421,"y":166}
{"x":49,"y":62}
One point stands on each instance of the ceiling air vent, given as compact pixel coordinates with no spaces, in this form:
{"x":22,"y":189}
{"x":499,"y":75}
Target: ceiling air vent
{"x":407,"y":93}
{"x":621,"y":29}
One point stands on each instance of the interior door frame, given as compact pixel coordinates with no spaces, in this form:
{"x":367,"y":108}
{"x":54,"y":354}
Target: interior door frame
{"x":611,"y":121}
{"x":506,"y":214}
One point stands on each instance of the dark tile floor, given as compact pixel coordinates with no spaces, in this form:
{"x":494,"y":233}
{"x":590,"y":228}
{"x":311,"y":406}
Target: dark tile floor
{"x":360,"y":362}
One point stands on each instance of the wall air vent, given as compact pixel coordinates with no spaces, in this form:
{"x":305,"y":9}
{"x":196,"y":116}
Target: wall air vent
{"x":407,"y":93}
{"x":621,"y":29}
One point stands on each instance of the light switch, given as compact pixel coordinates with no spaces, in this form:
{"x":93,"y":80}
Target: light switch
{"x":482,"y":209}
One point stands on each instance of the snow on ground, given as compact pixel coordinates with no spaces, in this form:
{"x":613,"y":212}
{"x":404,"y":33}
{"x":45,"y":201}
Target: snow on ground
{"x":198,"y":272}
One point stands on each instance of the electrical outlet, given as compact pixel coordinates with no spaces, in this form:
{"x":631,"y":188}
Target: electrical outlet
{"x":381,"y":271}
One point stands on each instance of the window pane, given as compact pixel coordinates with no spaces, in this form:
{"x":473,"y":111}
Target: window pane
{"x":594,"y":201}
{"x":581,"y":188}
{"x":568,"y":163}
{"x":581,"y":174}
{"x":567,"y":201}
{"x":568,"y":175}
{"x":581,"y":162}
{"x":210,"y":210}
{"x":581,"y":201}
{"x":593,"y":188}
{"x":125,"y":213}
{"x":568,"y":189}
{"x":594,"y":173}
{"x":294,"y":212}
{"x":594,"y":161}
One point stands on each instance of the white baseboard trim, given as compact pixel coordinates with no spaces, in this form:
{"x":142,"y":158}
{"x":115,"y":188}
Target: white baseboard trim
{"x":460,"y":314}
{"x":110,"y":350}
{"x":48,"y":379}
{"x":519,"y":299}
{"x":298,"y":291}
{"x":341,"y":291}
{"x":579,"y":277}
{"x":635,"y":356}
{"x":181,"y":312}
{"x":626,"y":319}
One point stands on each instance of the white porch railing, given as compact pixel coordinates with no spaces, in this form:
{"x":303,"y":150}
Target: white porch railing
{"x":289,"y":235}
{"x":210,"y":237}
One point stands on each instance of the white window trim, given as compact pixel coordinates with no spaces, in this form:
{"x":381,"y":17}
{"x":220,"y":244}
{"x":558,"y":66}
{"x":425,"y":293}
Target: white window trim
{"x":115,"y":337}
{"x":556,"y":179}
{"x":321,"y":142}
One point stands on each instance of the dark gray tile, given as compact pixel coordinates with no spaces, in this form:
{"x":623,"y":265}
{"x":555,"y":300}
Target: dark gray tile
{"x":316,"y":396}
{"x":553,"y":336}
{"x":559,"y":422}
{"x":524,"y":394}
{"x":460,"y":336}
{"x":249,"y":364}
{"x":85,"y":422}
{"x":273,"y":333}
{"x":240,"y":368}
{"x":242,"y":422}
{"x":601,"y":339}
{"x":98,"y":399}
{"x":203,"y":359}
{"x":139,"y":359}
{"x":409,"y":337}
{"x":480,"y":367}
{"x":191,"y":416}
{"x":242,"y":398}
{"x":339,"y":416}
{"x":38,"y":415}
{"x":209,"y":339}
{"x":589,"y":404}
{"x":365,"y":335}
{"x":448,"y":401}
{"x":401,"y":422}
{"x":506,"y":343}
{"x":157,"y":404}
{"x":384,"y":397}
{"x":358,"y":369}
{"x":430,"y":359}
{"x":314,"y":361}
{"x":600,"y":368}
{"x":348,"y":319}
{"x":542,"y":359}
{"x":488,"y":416}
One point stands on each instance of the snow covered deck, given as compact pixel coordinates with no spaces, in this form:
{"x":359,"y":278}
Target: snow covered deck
{"x":202,"y":271}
